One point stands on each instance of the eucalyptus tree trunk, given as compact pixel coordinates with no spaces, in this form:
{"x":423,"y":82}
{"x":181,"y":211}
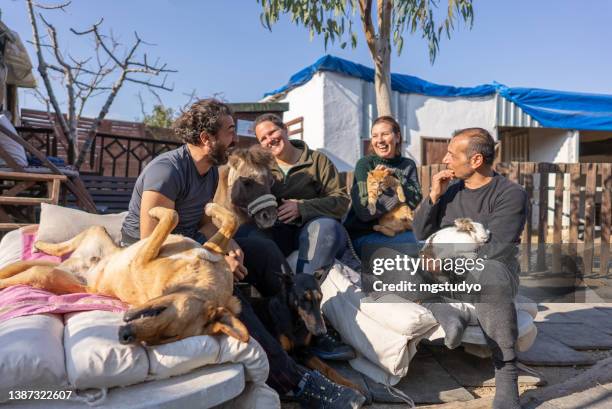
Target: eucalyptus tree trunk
{"x":380,"y":50}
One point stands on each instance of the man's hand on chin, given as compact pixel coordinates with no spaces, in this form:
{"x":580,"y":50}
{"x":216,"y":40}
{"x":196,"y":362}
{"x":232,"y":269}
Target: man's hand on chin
{"x":439,"y":184}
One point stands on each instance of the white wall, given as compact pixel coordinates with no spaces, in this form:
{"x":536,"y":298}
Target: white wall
{"x":307,"y":101}
{"x":440,"y":117}
{"x":336,"y":107}
{"x":342,"y":106}
{"x":553,"y":145}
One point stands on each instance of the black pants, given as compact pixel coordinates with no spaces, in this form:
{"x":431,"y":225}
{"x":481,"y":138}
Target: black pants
{"x":263,"y":260}
{"x":495,"y":309}
{"x":494,"y":305}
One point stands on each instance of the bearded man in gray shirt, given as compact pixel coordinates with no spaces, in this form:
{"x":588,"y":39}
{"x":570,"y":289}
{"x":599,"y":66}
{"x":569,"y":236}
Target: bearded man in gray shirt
{"x":185,"y":179}
{"x":469,"y":187}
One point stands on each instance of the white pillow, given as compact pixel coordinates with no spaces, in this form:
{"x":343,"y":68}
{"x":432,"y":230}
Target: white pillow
{"x":94,"y":356}
{"x":11,"y":248}
{"x":31,"y":354}
{"x":14,"y":149}
{"x":182,"y":356}
{"x":59,"y":223}
{"x":385,"y":333}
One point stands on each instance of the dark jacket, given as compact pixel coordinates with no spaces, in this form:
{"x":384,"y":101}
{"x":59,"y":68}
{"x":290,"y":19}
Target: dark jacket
{"x":314,"y":181}
{"x":359,"y":220}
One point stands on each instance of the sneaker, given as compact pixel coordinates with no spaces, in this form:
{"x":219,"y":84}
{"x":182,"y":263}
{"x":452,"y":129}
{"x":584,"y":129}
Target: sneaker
{"x":329,"y":346}
{"x":318,"y":392}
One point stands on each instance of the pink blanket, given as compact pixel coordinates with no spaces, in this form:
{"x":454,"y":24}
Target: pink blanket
{"x":20,"y":300}
{"x":27,"y":241}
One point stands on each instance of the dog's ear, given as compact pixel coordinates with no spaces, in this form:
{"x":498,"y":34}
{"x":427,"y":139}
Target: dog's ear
{"x":229,"y":325}
{"x":286,"y":276}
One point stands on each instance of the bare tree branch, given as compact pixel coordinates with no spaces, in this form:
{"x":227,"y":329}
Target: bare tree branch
{"x":156,"y":95}
{"x":42,"y":69}
{"x":142,"y":106}
{"x":88,"y":78}
{"x":56,"y":7}
{"x":68,"y":76}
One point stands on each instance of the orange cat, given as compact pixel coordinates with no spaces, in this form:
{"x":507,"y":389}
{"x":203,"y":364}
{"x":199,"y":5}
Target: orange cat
{"x":400,"y":218}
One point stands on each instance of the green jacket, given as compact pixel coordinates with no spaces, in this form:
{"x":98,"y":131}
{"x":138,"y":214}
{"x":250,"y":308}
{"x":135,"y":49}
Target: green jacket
{"x":314,"y":181}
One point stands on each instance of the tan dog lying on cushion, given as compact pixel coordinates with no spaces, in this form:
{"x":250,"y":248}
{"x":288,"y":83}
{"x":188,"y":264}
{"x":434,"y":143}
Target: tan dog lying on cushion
{"x":177,"y":287}
{"x":399,"y":219}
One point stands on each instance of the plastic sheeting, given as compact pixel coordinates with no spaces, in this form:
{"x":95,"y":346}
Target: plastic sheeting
{"x":553,"y":109}
{"x":399,"y":82}
{"x":565,"y":110}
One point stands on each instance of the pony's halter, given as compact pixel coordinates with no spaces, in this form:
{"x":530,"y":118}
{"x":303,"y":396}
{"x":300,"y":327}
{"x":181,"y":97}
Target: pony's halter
{"x":262,"y":202}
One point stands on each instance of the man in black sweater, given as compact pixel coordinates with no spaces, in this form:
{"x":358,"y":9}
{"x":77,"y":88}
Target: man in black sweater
{"x":470,"y":188}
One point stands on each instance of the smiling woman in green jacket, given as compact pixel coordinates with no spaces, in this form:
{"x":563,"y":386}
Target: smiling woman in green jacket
{"x":310,"y":197}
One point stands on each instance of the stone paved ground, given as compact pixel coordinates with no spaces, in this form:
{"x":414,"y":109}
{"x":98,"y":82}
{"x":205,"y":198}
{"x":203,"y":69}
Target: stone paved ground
{"x":573,"y":354}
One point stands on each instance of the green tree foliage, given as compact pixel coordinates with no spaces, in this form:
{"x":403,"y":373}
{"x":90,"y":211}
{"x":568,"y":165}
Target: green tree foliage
{"x":335,"y":20}
{"x":160,"y":116}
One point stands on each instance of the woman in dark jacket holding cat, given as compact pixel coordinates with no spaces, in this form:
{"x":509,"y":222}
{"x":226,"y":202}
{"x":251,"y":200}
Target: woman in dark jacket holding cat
{"x":385,"y":147}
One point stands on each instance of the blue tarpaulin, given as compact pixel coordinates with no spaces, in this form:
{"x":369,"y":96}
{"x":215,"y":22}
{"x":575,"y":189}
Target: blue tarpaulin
{"x":554,"y":109}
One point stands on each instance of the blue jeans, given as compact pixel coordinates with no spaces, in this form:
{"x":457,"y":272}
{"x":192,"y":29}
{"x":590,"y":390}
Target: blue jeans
{"x":319,"y":241}
{"x":381,"y":240}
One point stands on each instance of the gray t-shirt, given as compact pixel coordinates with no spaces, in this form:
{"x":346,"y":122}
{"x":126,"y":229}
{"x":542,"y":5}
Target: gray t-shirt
{"x":174,"y":175}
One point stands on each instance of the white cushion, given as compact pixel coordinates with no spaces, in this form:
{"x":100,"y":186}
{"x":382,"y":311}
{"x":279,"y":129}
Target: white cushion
{"x":526,"y":311}
{"x":11,"y":248}
{"x":59,"y":223}
{"x":385,"y":333}
{"x":94,"y":356}
{"x":255,"y":395}
{"x":182,"y":356}
{"x":11,"y":147}
{"x":31,"y":354}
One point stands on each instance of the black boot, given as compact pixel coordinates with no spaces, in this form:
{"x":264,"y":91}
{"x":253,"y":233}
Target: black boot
{"x":329,"y":346}
{"x":318,"y":392}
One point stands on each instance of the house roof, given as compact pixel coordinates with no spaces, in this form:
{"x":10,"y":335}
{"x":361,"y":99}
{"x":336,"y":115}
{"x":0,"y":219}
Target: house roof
{"x":553,"y":109}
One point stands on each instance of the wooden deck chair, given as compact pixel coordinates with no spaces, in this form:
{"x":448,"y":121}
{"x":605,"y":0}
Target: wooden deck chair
{"x":27,"y":177}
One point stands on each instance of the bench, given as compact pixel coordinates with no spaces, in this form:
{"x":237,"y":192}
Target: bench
{"x":110,"y":194}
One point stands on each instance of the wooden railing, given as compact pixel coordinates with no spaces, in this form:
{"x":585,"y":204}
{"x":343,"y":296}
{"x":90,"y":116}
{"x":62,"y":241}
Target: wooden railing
{"x":43,"y":139}
{"x":296,"y":128}
{"x":124,"y":156}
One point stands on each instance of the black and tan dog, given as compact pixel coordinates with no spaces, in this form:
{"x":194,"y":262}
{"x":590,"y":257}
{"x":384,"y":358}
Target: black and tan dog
{"x":294,"y":317}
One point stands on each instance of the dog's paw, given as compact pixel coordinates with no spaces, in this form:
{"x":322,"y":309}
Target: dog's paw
{"x":163,"y":212}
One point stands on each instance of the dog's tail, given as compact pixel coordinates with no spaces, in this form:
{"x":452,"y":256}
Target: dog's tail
{"x":228,"y":224}
{"x":21,"y":266}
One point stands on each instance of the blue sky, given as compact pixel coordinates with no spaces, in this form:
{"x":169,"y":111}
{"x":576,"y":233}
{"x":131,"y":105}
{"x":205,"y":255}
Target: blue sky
{"x":221,"y":46}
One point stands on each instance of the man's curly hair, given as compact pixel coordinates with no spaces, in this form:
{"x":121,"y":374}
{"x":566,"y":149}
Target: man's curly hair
{"x":204,"y":115}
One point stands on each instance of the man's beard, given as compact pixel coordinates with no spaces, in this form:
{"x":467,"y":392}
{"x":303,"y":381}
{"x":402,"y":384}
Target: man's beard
{"x":219,"y":154}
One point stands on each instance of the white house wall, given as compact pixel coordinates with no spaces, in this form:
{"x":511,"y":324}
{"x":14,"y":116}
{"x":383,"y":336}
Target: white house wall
{"x":553,"y":145}
{"x":336,"y":110}
{"x":439,"y":117}
{"x":342,"y":103}
{"x":307,"y":101}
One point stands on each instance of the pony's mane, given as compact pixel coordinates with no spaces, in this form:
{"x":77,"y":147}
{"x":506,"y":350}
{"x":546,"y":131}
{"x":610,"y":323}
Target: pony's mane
{"x":255,"y":156}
